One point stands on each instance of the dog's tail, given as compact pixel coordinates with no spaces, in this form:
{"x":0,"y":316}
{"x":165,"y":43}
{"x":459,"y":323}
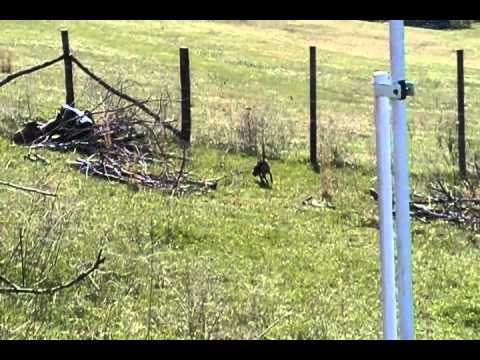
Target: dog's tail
{"x":263,"y":150}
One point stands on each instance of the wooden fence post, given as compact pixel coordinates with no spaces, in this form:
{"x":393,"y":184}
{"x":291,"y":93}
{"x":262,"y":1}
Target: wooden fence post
{"x":185,"y":92}
{"x":461,"y":115}
{"x":70,"y":98}
{"x":313,"y":107}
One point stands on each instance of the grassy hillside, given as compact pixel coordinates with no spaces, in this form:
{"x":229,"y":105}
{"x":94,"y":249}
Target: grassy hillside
{"x":241,"y":261}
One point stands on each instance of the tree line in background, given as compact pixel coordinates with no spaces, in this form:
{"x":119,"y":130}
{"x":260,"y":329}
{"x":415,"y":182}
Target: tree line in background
{"x":439,"y":24}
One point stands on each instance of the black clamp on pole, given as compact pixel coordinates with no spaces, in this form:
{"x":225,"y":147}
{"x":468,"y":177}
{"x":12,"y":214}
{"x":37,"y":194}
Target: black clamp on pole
{"x":406,"y":89}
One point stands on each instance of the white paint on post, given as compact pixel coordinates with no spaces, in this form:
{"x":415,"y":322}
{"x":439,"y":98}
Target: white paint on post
{"x":402,"y":194}
{"x":382,"y":82}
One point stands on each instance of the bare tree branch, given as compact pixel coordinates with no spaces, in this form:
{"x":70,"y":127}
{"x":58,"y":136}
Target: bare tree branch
{"x":29,"y":70}
{"x":29,"y":189}
{"x":14,"y":288}
{"x":122,"y":95}
{"x":182,"y":167}
{"x":107,"y":96}
{"x":120,"y":108}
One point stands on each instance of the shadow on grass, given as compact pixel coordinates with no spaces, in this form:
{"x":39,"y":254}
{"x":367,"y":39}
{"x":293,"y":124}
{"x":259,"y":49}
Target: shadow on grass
{"x":468,"y":315}
{"x":264,"y":185}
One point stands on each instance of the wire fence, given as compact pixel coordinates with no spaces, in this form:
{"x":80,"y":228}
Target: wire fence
{"x":344,"y":131}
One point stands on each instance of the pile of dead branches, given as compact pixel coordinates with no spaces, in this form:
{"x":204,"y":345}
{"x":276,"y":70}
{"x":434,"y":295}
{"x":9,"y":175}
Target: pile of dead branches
{"x":454,"y":204}
{"x":122,"y":146}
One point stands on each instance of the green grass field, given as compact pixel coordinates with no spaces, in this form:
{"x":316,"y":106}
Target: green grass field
{"x":241,"y":261}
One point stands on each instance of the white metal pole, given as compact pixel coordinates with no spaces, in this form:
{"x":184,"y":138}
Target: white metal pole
{"x":384,"y":189}
{"x":402,"y":198}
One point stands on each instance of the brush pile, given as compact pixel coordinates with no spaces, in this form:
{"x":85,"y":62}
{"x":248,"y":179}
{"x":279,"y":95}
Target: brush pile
{"x":456,"y":204}
{"x":119,"y":146}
